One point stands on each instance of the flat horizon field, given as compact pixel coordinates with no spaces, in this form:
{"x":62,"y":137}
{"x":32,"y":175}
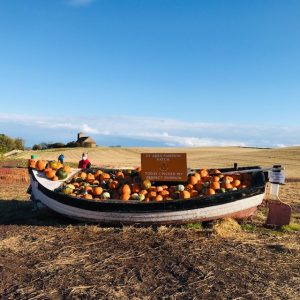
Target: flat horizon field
{"x":204,"y":157}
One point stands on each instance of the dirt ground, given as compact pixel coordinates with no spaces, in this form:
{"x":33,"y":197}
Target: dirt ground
{"x":47,"y":257}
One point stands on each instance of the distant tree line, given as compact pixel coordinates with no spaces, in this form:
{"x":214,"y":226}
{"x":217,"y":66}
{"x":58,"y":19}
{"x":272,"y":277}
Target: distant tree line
{"x":7,"y":143}
{"x":43,"y":146}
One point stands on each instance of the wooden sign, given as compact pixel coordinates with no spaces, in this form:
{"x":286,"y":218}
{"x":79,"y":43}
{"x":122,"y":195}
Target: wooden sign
{"x":279,"y":213}
{"x":164,"y":166}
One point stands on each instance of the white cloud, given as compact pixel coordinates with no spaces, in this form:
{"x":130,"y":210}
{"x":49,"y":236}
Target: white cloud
{"x":164,"y":132}
{"x":78,"y":3}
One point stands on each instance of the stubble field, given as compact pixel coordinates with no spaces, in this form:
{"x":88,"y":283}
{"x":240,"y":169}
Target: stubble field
{"x":48,"y":257}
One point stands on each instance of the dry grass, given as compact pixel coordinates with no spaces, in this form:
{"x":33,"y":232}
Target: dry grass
{"x":46,"y":257}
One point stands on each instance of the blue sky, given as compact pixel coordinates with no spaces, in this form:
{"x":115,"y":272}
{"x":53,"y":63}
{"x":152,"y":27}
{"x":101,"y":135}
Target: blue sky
{"x":151,"y":73}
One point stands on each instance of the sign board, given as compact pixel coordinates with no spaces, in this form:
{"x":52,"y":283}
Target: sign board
{"x":277,"y":177}
{"x":279,"y":213}
{"x":164,"y":166}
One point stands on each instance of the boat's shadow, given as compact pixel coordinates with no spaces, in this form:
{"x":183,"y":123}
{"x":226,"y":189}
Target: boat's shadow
{"x":17,"y":212}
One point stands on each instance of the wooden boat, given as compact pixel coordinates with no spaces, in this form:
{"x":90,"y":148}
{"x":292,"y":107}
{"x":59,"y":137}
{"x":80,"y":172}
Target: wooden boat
{"x":238,"y":204}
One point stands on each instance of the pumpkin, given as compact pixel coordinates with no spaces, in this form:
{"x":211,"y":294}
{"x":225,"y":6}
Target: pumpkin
{"x":185,"y":195}
{"x":54,"y":165}
{"x":236,"y":183}
{"x":120,"y":175}
{"x":105,"y":195}
{"x":159,"y":198}
{"x":125,"y":189}
{"x":215,"y":185}
{"x":98,"y":173}
{"x":55,"y":178}
{"x":68,"y":189}
{"x":141,"y":197}
{"x":193,"y":180}
{"x":203,"y":173}
{"x":82,"y":175}
{"x":125,"y":197}
{"x":135,"y":196}
{"x":210,"y":192}
{"x":199,"y":186}
{"x":180,"y":187}
{"x":113,"y":184}
{"x":146,"y":184}
{"x":104,"y":176}
{"x":159,"y":189}
{"x":87,"y":196}
{"x":194,"y":193}
{"x":31,"y":163}
{"x":50,"y":173}
{"x":40,"y":165}
{"x":135,"y":188}
{"x":61,"y":174}
{"x":67,"y":169}
{"x":164,"y":193}
{"x":90,"y":178}
{"x":97,"y":190}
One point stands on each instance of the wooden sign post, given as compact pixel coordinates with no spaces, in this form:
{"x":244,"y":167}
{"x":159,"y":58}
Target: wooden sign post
{"x":164,"y":166}
{"x":279,"y":212}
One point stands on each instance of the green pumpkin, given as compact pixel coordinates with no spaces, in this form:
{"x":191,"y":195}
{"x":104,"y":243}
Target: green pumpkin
{"x":61,"y":174}
{"x":141,"y":197}
{"x":68,"y":189}
{"x":105,"y":195}
{"x":180,"y":187}
{"x":135,"y":196}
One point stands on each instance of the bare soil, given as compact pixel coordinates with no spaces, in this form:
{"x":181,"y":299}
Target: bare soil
{"x":45,"y":256}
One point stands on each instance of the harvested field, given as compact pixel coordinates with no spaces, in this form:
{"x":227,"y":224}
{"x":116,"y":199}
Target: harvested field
{"x":47,"y":257}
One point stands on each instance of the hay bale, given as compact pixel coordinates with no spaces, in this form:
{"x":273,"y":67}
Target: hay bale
{"x":227,"y":227}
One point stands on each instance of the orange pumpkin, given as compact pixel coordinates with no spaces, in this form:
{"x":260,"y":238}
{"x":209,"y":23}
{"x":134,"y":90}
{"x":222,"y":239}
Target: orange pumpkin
{"x":194,"y":193}
{"x":197,"y":175}
{"x":159,"y":198}
{"x":82,"y":175}
{"x":193,"y":180}
{"x":120,"y":175}
{"x":40,"y":165}
{"x":67,"y":169}
{"x":125,"y":189}
{"x":31,"y":163}
{"x":105,"y":176}
{"x":125,"y":197}
{"x":97,"y":190}
{"x":90,"y":177}
{"x":135,"y":188}
{"x":210,"y":191}
{"x":113,"y":184}
{"x":203,"y":173}
{"x":87,"y":196}
{"x":55,"y":178}
{"x":185,"y":195}
{"x":50,"y":173}
{"x":236,"y":183}
{"x":98,"y":173}
{"x":215,"y":185}
{"x":159,"y":189}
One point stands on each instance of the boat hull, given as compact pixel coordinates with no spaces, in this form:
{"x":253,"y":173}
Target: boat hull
{"x":236,"y":205}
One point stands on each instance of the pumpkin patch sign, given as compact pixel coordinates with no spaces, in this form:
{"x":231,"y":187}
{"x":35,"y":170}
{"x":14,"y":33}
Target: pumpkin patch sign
{"x":164,"y":166}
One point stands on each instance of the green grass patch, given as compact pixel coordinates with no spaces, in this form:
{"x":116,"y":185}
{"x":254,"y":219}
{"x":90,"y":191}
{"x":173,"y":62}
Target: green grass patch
{"x":197,"y":226}
{"x":248,"y":227}
{"x":290,"y":228}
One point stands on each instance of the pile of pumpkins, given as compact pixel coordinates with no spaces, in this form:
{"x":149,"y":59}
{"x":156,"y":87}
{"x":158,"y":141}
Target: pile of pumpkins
{"x":53,"y":170}
{"x":128,"y":185}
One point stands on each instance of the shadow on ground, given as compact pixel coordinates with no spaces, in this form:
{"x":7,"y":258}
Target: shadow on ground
{"x":16,"y":212}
